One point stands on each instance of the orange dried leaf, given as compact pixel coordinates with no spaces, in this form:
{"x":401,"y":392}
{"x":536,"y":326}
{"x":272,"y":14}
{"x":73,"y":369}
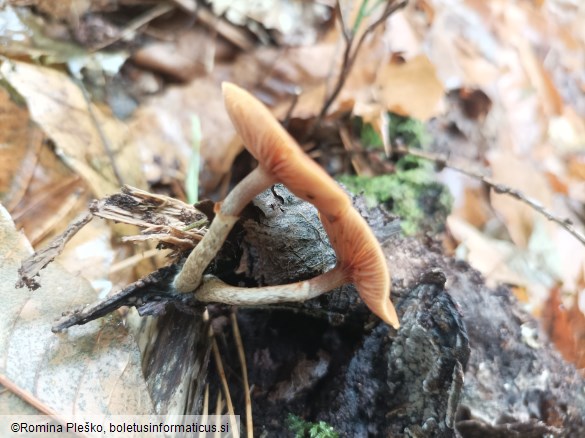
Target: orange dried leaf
{"x":566,"y":328}
{"x":411,"y":89}
{"x":576,"y":167}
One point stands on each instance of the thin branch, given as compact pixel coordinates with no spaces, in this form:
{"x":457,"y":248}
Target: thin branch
{"x":33,"y":401}
{"x":31,"y":266}
{"x":242,"y":357}
{"x":349,"y":55}
{"x":390,"y":9}
{"x":222,"y":376}
{"x":344,"y":30}
{"x":499,"y":188}
{"x":134,"y":25}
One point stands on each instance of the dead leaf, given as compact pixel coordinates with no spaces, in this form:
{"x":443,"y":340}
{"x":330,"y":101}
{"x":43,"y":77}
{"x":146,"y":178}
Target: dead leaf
{"x":94,"y":369}
{"x":502,"y":262}
{"x":512,"y":171}
{"x":163,"y":130}
{"x":21,"y":142}
{"x":190,"y":55}
{"x":64,"y":10}
{"x":82,"y":133}
{"x":566,"y":328}
{"x":462,"y":46}
{"x":475,"y":209}
{"x":411,"y":89}
{"x":567,"y":132}
{"x":576,"y":167}
{"x":49,"y":188}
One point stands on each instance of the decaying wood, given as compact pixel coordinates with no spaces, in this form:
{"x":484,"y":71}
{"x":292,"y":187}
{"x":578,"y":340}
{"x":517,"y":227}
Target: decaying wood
{"x":149,"y":295}
{"x":33,"y":265}
{"x":161,"y":218}
{"x":467,"y":360}
{"x":365,"y":379}
{"x":166,"y":220}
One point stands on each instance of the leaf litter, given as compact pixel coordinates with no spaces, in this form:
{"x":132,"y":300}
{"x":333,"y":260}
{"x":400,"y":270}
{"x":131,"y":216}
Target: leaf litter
{"x":531,"y":135}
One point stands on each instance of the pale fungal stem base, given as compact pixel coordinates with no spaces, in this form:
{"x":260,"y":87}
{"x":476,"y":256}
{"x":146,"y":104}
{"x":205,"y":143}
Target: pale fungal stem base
{"x":190,"y":276}
{"x":216,"y":291}
{"x":225,"y":218}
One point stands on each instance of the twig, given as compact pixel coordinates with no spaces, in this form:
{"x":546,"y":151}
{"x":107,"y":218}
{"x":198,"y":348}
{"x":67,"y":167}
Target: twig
{"x":222,"y":378}
{"x":29,"y":398}
{"x":136,"y":24}
{"x":133,"y":260}
{"x":232,"y":33}
{"x":499,"y":188}
{"x":349,"y":55}
{"x":204,"y":409}
{"x":31,"y":266}
{"x":242,"y":357}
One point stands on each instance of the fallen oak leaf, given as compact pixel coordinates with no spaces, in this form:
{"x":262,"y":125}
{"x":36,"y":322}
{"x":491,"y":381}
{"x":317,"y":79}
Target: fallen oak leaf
{"x":82,"y":133}
{"x":93,"y":370}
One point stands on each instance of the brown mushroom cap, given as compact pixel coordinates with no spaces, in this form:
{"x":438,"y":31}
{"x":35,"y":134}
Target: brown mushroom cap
{"x":279,"y":155}
{"x":358,"y":252}
{"x":363,"y":262}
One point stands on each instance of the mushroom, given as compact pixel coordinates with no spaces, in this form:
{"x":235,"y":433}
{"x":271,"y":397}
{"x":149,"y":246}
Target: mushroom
{"x":280,"y":159}
{"x":359,"y":257}
{"x":360,"y":260}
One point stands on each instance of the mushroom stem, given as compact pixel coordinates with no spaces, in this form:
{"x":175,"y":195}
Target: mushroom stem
{"x":215,"y":290}
{"x":226,"y":215}
{"x":190,"y":276}
{"x":253,"y":184}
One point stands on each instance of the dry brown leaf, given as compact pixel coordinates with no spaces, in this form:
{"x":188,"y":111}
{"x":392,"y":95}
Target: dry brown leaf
{"x":411,"y":89}
{"x":556,"y":183}
{"x":65,"y":9}
{"x":21,"y":142}
{"x":94,"y":369}
{"x":488,"y":256}
{"x":49,"y":194}
{"x":163,"y":130}
{"x":535,"y":269}
{"x":549,"y":98}
{"x":475,"y":209}
{"x":512,"y":171}
{"x":567,"y":132}
{"x":59,"y":107}
{"x":566,"y":328}
{"x":275,"y":75}
{"x":462,"y":46}
{"x":191,"y":54}
{"x":576,"y":166}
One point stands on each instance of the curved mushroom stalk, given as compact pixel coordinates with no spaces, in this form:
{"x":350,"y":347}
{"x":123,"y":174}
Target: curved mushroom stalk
{"x":227,"y":214}
{"x":213,"y":290}
{"x":360,"y":260}
{"x":190,"y":276}
{"x":280,"y":159}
